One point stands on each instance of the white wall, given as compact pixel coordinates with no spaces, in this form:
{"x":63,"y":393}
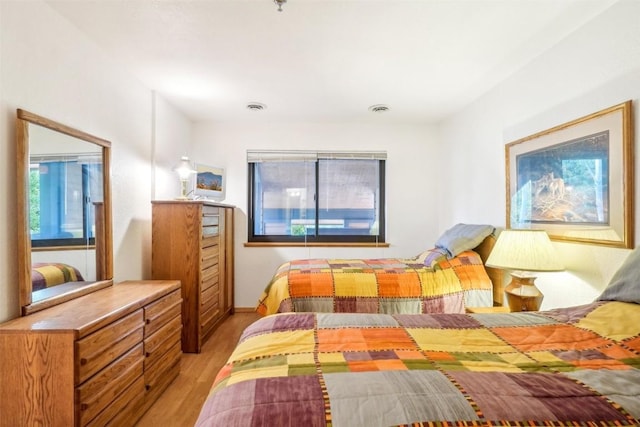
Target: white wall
{"x":596,"y":67}
{"x":48,"y":67}
{"x":411,"y":182}
{"x":436,"y":176}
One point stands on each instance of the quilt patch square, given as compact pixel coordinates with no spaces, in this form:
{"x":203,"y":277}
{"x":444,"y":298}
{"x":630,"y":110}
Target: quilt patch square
{"x":364,"y":339}
{"x":309,"y":304}
{"x":618,"y":386}
{"x":307,"y":284}
{"x":292,"y":401}
{"x":339,"y":320}
{"x":550,"y":337}
{"x":397,"y":399}
{"x":399,"y":305}
{"x":458,"y":340}
{"x":355,"y":305}
{"x":356,"y":285}
{"x":398,"y":284}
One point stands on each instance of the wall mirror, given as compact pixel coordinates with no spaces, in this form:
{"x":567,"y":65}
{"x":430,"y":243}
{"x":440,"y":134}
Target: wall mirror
{"x":65,"y":247}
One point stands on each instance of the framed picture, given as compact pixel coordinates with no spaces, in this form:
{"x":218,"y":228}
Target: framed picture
{"x":209,"y":182}
{"x":575,"y":181}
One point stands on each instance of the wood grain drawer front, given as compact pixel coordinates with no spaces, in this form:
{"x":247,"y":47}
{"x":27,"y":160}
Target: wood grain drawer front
{"x":162,"y":373}
{"x":98,"y":392}
{"x":210,"y":277}
{"x":210,"y":298}
{"x":208,"y":241}
{"x":160,"y":342}
{"x":210,"y":210}
{"x":210,"y":309}
{"x":97,"y":350}
{"x":210,"y":220}
{"x":158,"y":313}
{"x":210,"y":256}
{"x":123,"y":410}
{"x":210,"y":226}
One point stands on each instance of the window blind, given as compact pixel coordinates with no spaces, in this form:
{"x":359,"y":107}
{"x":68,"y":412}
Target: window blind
{"x":259,"y":156}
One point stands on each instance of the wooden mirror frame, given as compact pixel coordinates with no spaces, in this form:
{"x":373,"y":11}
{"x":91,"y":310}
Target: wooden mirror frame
{"x":104,"y":232}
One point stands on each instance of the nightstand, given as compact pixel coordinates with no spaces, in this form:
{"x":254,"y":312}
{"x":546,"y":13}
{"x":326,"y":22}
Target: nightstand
{"x":499,"y":309}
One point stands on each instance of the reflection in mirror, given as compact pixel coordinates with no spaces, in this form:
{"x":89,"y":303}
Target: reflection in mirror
{"x":63,"y":212}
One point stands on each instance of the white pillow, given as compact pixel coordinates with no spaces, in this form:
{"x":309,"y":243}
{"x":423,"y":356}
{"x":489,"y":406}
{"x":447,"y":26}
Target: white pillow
{"x":463,"y":237}
{"x":625,"y":284}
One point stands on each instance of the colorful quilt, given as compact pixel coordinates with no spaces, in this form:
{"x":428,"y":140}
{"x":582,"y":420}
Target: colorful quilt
{"x":45,"y":275}
{"x":428,"y":283}
{"x":578,"y":366}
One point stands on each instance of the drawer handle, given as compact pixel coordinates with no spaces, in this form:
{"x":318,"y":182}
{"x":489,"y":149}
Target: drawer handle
{"x":147,"y":387}
{"x":147,"y":354}
{"x":84,"y":406}
{"x":148,"y":321}
{"x":83,"y":361}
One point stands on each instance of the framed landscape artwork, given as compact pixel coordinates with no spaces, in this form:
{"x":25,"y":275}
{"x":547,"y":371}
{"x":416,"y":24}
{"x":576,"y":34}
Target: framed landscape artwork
{"x":576,"y":180}
{"x":209,"y":182}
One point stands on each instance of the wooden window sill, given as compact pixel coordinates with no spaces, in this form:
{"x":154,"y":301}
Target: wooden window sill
{"x":316,"y":244}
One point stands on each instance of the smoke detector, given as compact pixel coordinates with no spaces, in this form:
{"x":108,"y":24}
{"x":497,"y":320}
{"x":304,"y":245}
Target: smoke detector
{"x":379,"y":108}
{"x":256,"y":106}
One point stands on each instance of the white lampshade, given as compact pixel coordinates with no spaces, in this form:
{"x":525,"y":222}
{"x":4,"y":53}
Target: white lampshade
{"x":184,"y":169}
{"x":524,"y":250}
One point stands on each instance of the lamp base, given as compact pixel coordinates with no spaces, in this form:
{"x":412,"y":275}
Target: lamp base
{"x":522,"y":293}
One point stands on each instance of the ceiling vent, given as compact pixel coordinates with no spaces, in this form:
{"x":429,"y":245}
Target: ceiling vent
{"x":256,"y":106}
{"x":379,"y":108}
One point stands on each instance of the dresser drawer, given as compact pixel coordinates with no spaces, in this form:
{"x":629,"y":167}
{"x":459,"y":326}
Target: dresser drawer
{"x":210,"y":256}
{"x":158,"y":313}
{"x":210,"y":210}
{"x":125,"y":409}
{"x":97,"y":350}
{"x":210,"y":313}
{"x":160,"y":375}
{"x":210,"y":297}
{"x":98,"y":392}
{"x":160,"y":342}
{"x":210,"y":277}
{"x":208,"y":241}
{"x":210,"y":220}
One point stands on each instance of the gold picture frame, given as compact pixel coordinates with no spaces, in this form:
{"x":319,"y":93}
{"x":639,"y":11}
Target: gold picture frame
{"x":576,"y":180}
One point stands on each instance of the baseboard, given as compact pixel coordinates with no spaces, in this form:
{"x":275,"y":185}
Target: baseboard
{"x":244,"y":310}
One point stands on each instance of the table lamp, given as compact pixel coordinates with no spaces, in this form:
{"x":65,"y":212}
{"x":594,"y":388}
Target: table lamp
{"x":184,"y":171}
{"x":524,"y":252}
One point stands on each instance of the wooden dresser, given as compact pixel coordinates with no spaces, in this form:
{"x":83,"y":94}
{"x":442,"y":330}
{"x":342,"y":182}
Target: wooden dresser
{"x":101,"y":359}
{"x":192,"y":241}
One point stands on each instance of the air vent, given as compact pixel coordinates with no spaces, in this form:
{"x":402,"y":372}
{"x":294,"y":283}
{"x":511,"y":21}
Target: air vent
{"x":379,"y":108}
{"x":256,"y":106}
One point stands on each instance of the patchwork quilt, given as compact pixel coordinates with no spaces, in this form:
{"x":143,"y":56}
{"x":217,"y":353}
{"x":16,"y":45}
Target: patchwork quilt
{"x":578,"y":366}
{"x":45,"y":275}
{"x":428,"y":283}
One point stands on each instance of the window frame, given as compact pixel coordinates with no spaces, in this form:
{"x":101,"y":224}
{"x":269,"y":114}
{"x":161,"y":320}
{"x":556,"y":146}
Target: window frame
{"x":88,"y":238}
{"x":318,"y":239}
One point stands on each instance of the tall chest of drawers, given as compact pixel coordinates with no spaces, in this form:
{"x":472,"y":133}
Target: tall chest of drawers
{"x":101,"y":359}
{"x":192,"y":241}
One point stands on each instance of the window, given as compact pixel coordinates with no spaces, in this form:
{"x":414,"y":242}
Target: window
{"x":62,"y":191}
{"x":316,"y":197}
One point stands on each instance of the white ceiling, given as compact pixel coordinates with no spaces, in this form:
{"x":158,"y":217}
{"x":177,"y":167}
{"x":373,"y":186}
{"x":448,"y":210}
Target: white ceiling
{"x":325,"y":60}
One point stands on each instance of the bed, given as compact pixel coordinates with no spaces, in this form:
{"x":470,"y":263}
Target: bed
{"x":445,"y":279}
{"x":575,"y":366}
{"x":47,"y":274}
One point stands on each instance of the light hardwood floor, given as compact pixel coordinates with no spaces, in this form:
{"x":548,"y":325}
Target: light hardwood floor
{"x":180,"y":404}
